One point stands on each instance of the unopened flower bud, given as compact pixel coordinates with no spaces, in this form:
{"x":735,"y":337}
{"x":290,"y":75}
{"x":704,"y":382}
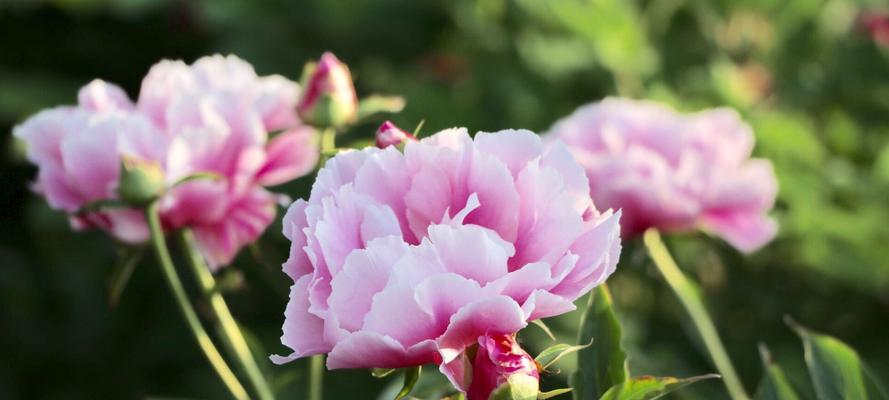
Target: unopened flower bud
{"x":140,"y":181}
{"x":502,"y":370}
{"x":328,"y":96}
{"x":388,"y":134}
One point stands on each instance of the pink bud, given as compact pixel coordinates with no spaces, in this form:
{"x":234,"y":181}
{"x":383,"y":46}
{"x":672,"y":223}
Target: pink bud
{"x":328,"y":98}
{"x":876,"y":24}
{"x":498,"y":360}
{"x":388,"y":134}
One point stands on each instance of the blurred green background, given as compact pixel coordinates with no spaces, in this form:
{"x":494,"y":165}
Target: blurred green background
{"x":811,"y":80}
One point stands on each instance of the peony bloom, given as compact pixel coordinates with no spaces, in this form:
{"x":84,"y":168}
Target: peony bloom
{"x":218,"y":114}
{"x":329,"y":97}
{"x":673,"y":172}
{"x":78,"y":151}
{"x":402,"y":259}
{"x":388,"y":134}
{"x":213,"y":116}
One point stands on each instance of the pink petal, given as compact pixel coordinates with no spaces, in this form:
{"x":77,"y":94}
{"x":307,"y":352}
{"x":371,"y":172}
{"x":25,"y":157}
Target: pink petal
{"x":294,"y":222}
{"x":302,"y":331}
{"x":471,"y":251}
{"x":514,"y":148}
{"x":290,"y":155}
{"x":244,"y":222}
{"x":745,"y":230}
{"x":364,"y":274}
{"x":491,"y":315}
{"x":99,"y":95}
{"x":372,"y":350}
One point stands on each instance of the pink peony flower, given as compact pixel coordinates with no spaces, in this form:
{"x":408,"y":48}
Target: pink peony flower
{"x":401,"y":259}
{"x":388,"y":134}
{"x":78,"y":152}
{"x":673,"y":172}
{"x":213,"y":116}
{"x":218,"y":113}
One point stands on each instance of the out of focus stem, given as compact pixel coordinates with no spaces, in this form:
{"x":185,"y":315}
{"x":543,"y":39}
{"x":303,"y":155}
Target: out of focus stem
{"x":328,"y":144}
{"x":691,"y":300}
{"x":226,"y":327}
{"x":188,"y":313}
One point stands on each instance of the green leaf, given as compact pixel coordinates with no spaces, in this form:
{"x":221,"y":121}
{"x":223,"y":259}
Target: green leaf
{"x":604,"y":365}
{"x":774,"y":384}
{"x":381,"y":372}
{"x":545,"y":328}
{"x":836,"y":369}
{"x":375,"y":104}
{"x":552,"y":393}
{"x":411,"y":376}
{"x":127,"y":260}
{"x":649,"y":387}
{"x":551,"y":354}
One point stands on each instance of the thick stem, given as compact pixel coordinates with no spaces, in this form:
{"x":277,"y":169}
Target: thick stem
{"x":316,"y":371}
{"x":223,"y":321}
{"x":185,"y":307}
{"x":690,"y":299}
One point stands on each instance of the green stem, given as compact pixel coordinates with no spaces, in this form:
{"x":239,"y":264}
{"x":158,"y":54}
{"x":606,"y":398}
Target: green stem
{"x":316,"y":371}
{"x":688,"y":296}
{"x":328,"y":144}
{"x":188,"y":312}
{"x":223,"y":321}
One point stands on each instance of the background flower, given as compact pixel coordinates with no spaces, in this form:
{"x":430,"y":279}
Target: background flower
{"x":401,"y":259}
{"x":673,"y":172}
{"x":214,"y":116}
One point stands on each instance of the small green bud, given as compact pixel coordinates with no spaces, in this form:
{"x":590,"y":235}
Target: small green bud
{"x":140,"y":181}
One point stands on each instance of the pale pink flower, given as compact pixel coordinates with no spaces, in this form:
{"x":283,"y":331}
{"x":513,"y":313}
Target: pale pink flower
{"x":401,"y":259}
{"x":78,"y":152}
{"x":210,"y":117}
{"x":218,"y":114}
{"x":672,"y":171}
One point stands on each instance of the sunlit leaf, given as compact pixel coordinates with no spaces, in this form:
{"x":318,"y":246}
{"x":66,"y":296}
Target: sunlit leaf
{"x":411,"y":376}
{"x":774,"y":384}
{"x":545,"y":328}
{"x":836,"y":369}
{"x":650,"y":387}
{"x":552,"y":393}
{"x":551,"y":354}
{"x":604,"y":364}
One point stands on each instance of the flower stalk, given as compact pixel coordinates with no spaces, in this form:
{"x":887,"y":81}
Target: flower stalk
{"x":688,"y":296}
{"x":226,"y":327}
{"x":188,"y":312}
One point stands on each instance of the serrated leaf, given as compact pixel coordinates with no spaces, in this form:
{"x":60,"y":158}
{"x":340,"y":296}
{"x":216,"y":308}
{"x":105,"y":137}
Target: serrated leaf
{"x":774,"y":384}
{"x":381,"y":372}
{"x":650,"y":387}
{"x":603,"y":365}
{"x":411,"y":376}
{"x":375,"y":104}
{"x":552,"y":393}
{"x":836,"y":369}
{"x":545,"y":328}
{"x":551,"y":354}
